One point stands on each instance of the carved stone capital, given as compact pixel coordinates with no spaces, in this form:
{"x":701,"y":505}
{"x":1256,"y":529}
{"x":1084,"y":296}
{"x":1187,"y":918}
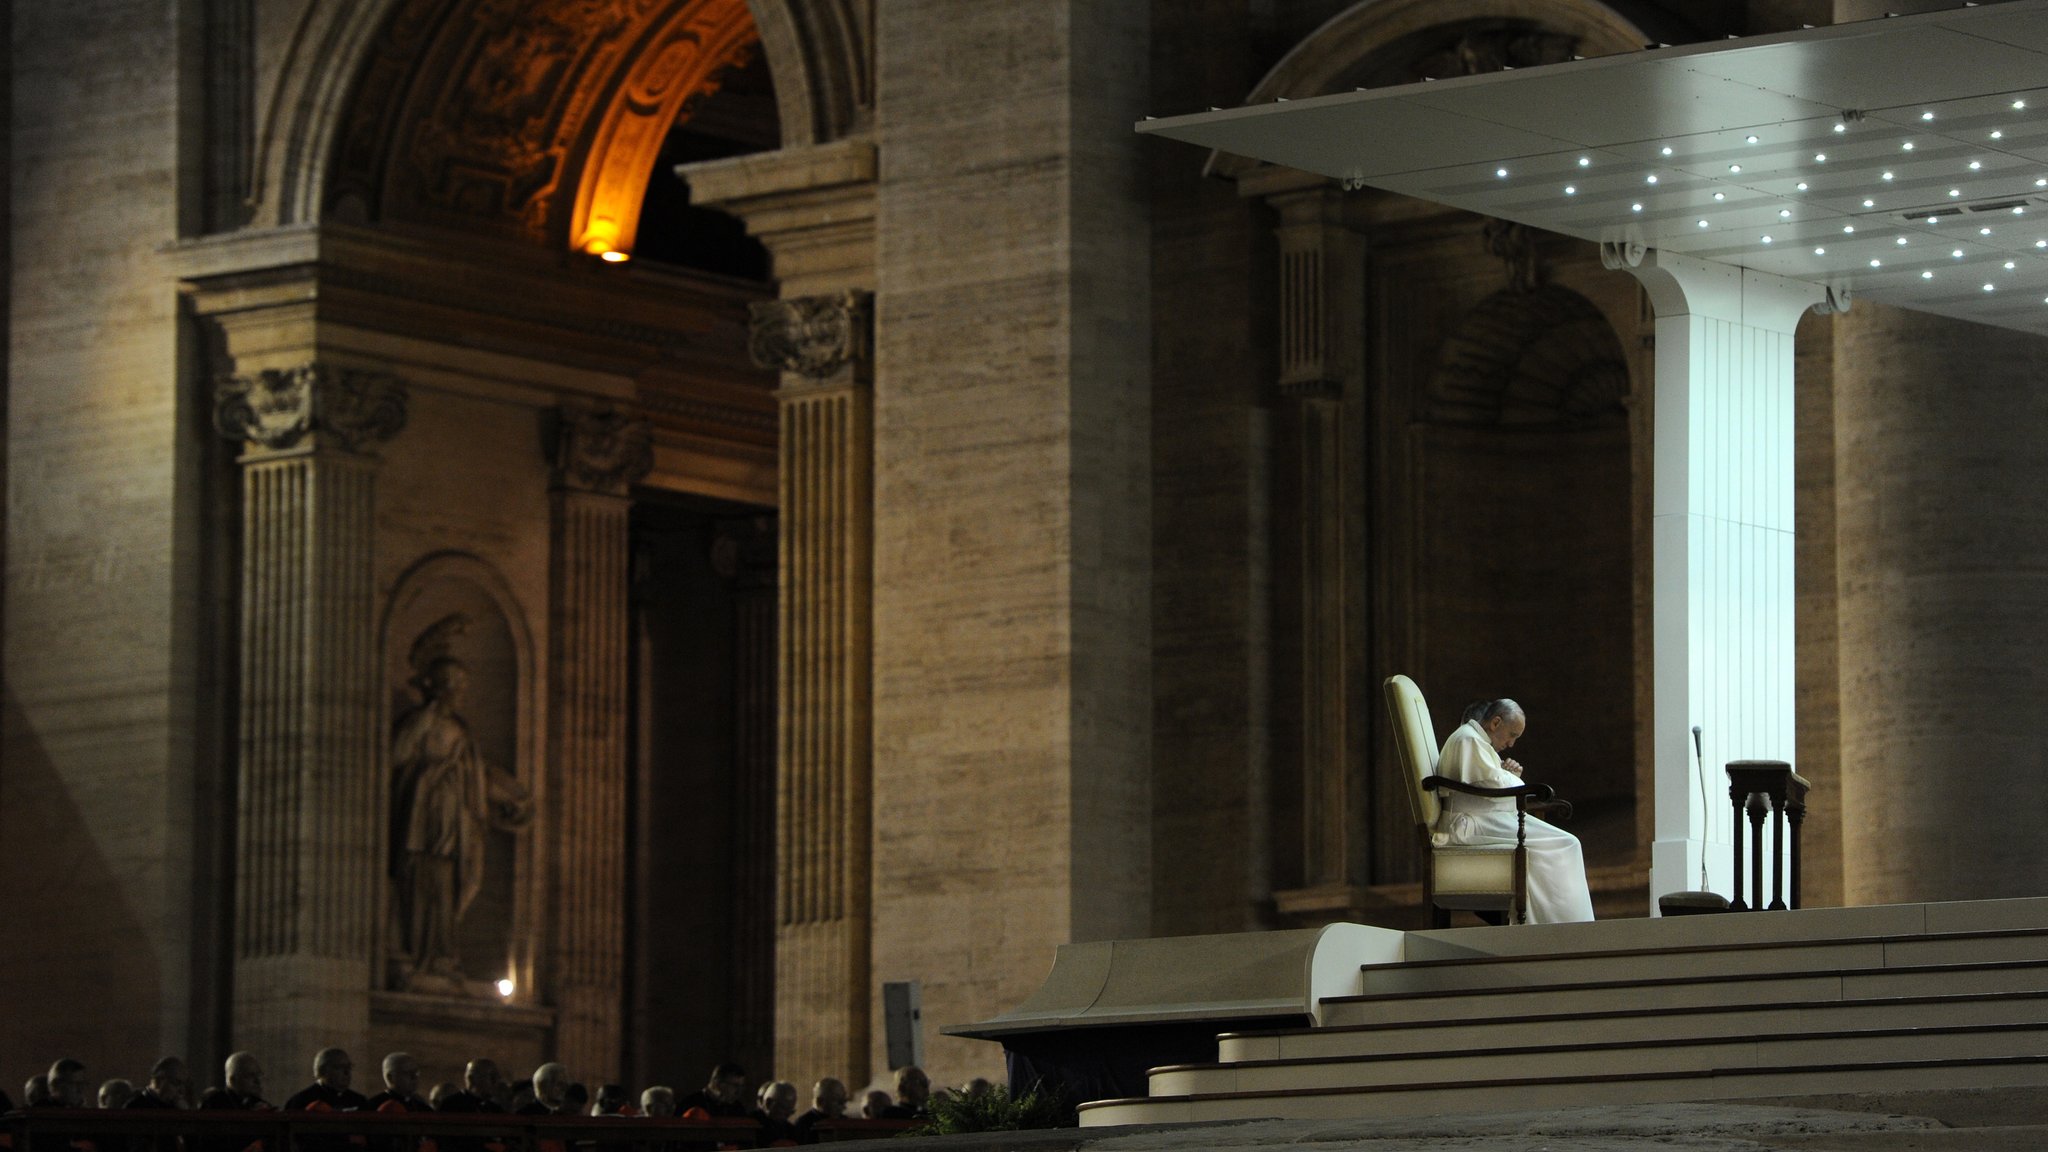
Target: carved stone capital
{"x":812,"y":336}
{"x":311,"y":405}
{"x":602,"y":449}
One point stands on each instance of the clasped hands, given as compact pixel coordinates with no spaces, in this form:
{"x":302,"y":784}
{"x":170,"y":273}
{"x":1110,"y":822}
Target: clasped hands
{"x":1512,"y":767}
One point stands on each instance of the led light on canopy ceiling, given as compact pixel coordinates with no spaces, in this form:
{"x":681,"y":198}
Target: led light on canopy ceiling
{"x":1820,"y":251}
{"x":1750,"y":139}
{"x":1841,"y":127}
{"x":1501,"y":172}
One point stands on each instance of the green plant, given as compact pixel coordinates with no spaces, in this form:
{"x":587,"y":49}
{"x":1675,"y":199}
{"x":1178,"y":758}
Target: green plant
{"x":995,"y":1110}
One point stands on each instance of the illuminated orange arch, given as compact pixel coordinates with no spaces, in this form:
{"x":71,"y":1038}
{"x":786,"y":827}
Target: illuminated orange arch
{"x":684,"y":56}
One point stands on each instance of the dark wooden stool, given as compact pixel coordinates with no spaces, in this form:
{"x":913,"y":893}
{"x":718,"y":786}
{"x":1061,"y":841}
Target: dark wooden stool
{"x":1750,"y":784}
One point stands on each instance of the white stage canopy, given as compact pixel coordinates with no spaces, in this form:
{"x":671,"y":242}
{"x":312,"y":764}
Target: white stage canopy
{"x":1903,"y":160}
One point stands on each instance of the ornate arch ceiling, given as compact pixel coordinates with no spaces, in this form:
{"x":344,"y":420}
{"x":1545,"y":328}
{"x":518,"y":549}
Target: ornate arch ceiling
{"x":530,"y":120}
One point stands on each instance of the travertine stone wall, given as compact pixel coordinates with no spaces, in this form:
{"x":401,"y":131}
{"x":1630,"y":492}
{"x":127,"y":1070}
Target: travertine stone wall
{"x":1818,"y":680}
{"x":98,"y":772}
{"x":1942,"y":558}
{"x":1012,"y":574}
{"x":1211,"y":844}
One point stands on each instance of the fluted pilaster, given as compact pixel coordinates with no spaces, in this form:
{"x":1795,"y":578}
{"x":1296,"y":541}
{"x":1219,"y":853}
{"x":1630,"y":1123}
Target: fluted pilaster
{"x":1321,"y":527}
{"x":307,"y":872}
{"x":599,"y":454}
{"x":820,"y":345}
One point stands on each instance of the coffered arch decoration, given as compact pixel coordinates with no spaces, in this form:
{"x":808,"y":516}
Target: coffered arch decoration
{"x":493,"y":115}
{"x":328,"y":111}
{"x":1376,"y":43}
{"x":1523,"y":359}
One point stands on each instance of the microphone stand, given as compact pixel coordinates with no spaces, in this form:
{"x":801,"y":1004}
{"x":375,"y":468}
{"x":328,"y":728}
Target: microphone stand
{"x":1699,"y":762}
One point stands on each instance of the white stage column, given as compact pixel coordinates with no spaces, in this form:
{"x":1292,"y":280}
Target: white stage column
{"x":1722,"y":635}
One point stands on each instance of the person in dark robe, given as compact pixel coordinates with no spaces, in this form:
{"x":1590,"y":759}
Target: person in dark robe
{"x":480,"y":1091}
{"x":724,"y":1094}
{"x":550,"y":1091}
{"x":401,"y":1086}
{"x":828,"y":1102}
{"x":68,"y":1084}
{"x":166,"y":1087}
{"x":116,"y":1093}
{"x":913,"y":1094}
{"x":35,"y":1091}
{"x":333,"y":1072}
{"x":243,"y":1092}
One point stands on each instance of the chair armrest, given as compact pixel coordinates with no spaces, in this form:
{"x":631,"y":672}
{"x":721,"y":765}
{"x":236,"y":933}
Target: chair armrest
{"x":1519,"y":791}
{"x":1551,"y":809}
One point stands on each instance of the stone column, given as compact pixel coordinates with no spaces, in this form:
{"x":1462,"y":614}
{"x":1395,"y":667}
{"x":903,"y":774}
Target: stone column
{"x":310,"y":796}
{"x":1319,"y":438}
{"x":1721,"y":541}
{"x":820,"y":345}
{"x":599,"y":454}
{"x":1942,"y":571}
{"x":814,"y":209}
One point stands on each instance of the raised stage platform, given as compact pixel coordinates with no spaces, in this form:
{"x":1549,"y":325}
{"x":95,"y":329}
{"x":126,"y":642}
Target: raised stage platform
{"x":1351,"y":1022}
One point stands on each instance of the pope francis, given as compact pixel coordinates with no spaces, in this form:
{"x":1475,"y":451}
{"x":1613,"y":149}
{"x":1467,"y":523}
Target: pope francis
{"x":1557,"y":868}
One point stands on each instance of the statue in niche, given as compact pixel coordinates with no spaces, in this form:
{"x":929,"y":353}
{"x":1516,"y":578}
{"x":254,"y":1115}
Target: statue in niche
{"x":445,"y":800}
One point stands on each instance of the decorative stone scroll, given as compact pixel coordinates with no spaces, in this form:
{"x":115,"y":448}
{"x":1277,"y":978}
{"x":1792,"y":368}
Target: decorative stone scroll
{"x":813,"y":336}
{"x":602,"y":449}
{"x":278,"y":409}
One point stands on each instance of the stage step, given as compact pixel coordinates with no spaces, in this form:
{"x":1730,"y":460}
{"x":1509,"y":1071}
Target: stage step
{"x":1611,"y":1059}
{"x":1783,"y":1004}
{"x":2029,"y":1002}
{"x":1569,"y":1092}
{"x":1699,"y":991}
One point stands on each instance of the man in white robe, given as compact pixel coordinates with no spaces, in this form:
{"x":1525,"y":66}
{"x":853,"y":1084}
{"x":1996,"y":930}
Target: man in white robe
{"x":1557,"y":867}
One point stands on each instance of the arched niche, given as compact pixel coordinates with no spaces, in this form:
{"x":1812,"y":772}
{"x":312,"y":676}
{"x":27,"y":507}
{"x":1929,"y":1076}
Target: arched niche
{"x":342,"y":102}
{"x":499,"y":935}
{"x":1375,"y":43}
{"x":1523,"y":568}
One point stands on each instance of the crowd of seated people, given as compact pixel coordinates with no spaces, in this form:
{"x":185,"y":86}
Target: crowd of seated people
{"x":550,"y":1091}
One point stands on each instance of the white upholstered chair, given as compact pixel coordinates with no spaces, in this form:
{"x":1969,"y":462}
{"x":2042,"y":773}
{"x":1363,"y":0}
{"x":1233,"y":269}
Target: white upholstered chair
{"x":1475,"y":878}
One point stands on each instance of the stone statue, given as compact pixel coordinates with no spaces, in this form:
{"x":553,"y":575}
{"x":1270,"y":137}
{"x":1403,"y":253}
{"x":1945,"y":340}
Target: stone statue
{"x":444,"y":803}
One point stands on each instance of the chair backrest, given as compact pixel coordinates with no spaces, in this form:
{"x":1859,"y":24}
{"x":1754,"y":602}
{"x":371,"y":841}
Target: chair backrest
{"x":1415,"y":738}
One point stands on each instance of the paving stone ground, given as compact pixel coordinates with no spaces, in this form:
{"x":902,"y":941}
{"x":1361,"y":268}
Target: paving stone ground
{"x":1984,"y":1120}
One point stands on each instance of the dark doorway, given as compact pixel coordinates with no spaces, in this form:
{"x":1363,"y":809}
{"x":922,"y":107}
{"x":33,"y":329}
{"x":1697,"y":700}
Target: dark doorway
{"x":702,"y":792}
{"x":1523,"y":557}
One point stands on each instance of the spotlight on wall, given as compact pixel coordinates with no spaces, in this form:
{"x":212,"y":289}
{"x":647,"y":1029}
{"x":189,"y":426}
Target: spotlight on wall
{"x":506,"y":987}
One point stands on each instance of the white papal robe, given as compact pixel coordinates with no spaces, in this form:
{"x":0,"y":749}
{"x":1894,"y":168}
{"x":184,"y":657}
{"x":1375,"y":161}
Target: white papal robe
{"x":1557,"y":867}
